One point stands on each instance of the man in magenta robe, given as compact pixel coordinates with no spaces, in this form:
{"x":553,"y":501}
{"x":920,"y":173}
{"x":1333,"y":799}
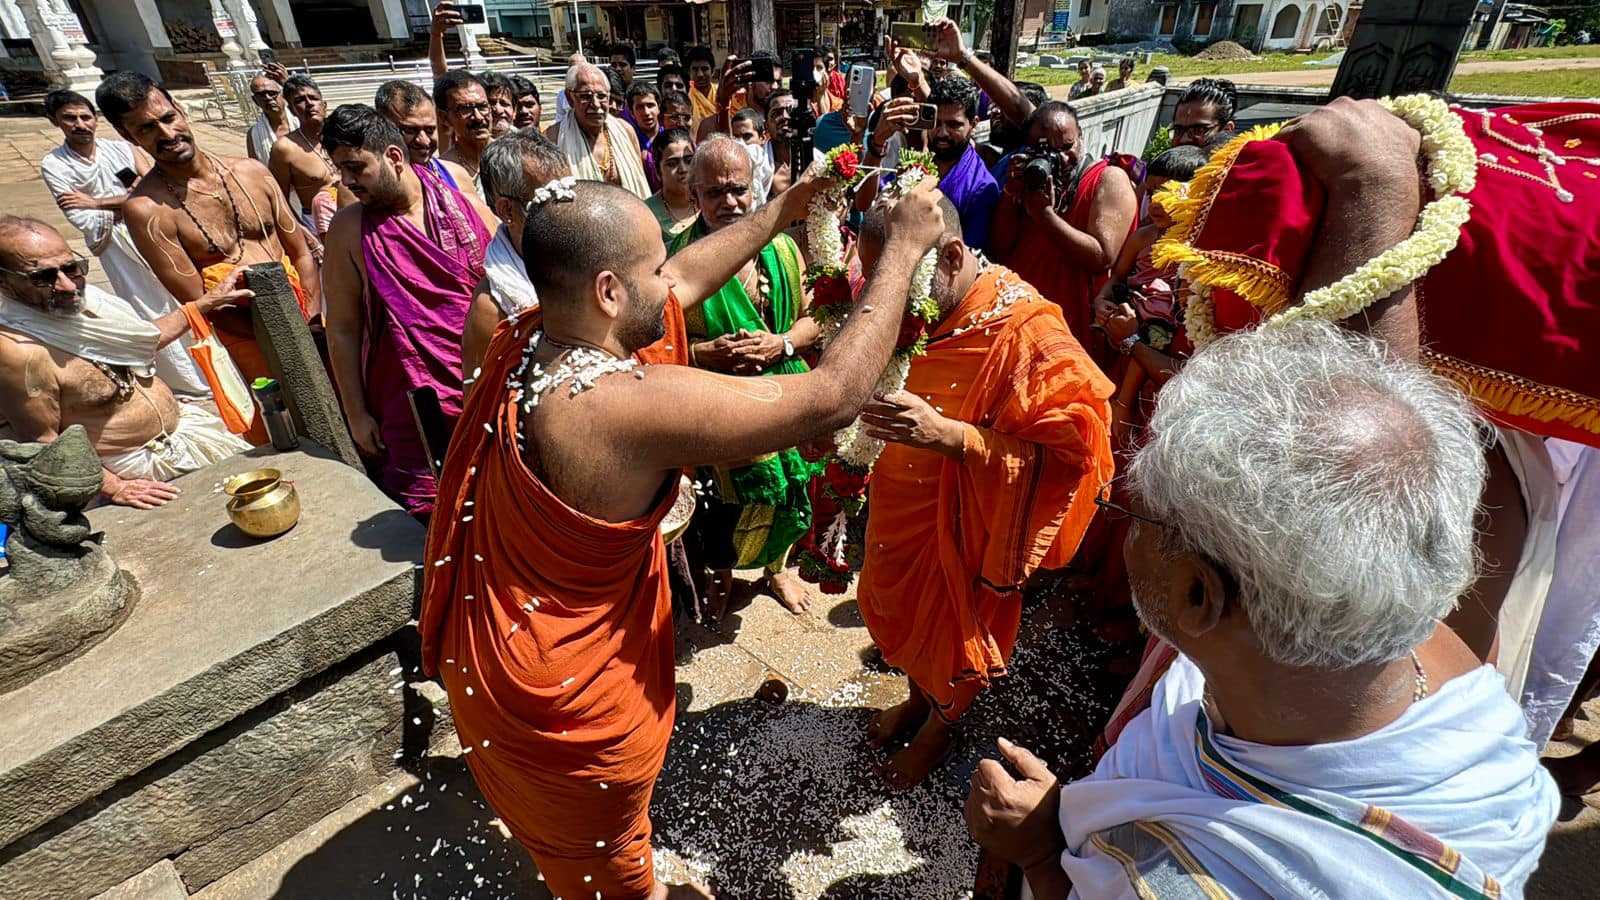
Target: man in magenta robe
{"x":401,"y":268}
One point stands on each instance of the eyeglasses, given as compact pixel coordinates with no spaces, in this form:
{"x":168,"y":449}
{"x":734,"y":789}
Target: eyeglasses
{"x":467,"y":109}
{"x":46,"y":277}
{"x":592,"y":97}
{"x":268,"y":95}
{"x":1119,"y":509}
{"x":1198,"y":129}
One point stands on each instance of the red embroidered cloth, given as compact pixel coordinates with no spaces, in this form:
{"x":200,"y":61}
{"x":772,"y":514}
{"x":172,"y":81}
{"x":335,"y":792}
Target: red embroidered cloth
{"x":1508,"y":314}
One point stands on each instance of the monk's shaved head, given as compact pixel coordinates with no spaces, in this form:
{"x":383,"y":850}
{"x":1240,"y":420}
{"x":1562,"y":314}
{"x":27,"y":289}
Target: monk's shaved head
{"x":566,"y":243}
{"x":875,"y":223}
{"x":722,"y":179}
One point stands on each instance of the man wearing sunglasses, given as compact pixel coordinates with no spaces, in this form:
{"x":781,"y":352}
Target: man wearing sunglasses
{"x":276,"y":119}
{"x":72,"y":354}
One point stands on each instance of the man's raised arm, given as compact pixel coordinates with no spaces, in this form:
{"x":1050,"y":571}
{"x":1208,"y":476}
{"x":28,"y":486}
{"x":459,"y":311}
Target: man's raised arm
{"x":703,"y":267}
{"x":718,"y":418}
{"x":947,"y":46}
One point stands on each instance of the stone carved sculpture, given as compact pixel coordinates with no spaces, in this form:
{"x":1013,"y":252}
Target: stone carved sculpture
{"x":62,"y":592}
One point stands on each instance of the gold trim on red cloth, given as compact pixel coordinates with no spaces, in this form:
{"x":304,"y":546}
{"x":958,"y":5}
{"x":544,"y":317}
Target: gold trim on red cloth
{"x":1262,"y":284}
{"x":1514,"y":395}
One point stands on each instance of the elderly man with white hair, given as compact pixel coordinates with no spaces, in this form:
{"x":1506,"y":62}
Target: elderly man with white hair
{"x":598,"y":145}
{"x":1303,"y":519}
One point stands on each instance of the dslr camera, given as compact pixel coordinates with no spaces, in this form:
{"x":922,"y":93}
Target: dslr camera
{"x":1041,"y":166}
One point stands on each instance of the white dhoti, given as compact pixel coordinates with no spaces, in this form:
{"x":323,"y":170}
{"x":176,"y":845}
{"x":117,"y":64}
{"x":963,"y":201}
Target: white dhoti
{"x":199,"y":440}
{"x":1568,"y":635}
{"x":1525,"y":597}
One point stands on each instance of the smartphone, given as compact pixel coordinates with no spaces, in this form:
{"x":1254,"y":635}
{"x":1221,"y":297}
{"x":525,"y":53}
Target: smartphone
{"x":432,"y":424}
{"x":127,"y":176}
{"x":471,"y":13}
{"x":863,"y":81}
{"x":802,"y":74}
{"x":927,"y":116}
{"x":762,"y":70}
{"x":915,"y":35}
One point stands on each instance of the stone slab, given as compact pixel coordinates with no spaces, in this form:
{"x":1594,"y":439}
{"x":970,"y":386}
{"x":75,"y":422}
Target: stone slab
{"x":414,"y":835}
{"x":224,"y":623}
{"x":287,"y":755}
{"x":159,"y":882}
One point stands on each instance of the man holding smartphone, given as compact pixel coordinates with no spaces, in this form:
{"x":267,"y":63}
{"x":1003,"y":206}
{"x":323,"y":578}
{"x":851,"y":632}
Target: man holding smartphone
{"x":90,"y":177}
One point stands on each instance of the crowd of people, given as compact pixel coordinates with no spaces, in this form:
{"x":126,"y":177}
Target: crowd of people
{"x":612,"y":310}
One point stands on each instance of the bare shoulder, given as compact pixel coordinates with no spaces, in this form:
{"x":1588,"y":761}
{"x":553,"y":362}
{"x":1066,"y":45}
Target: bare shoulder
{"x":142,"y":207}
{"x":17,"y":352}
{"x":248,"y":170}
{"x":457,"y":171}
{"x":1117,"y":181}
{"x":553,"y":132}
{"x":346,"y":224}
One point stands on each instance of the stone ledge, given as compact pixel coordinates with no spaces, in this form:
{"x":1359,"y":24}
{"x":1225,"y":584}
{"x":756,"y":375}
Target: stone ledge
{"x":203,"y":647}
{"x":159,"y":882}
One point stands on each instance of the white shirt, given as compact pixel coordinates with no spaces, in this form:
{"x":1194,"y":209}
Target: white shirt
{"x":63,"y":170}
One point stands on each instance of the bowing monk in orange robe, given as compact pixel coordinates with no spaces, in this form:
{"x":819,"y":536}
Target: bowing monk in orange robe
{"x":997,"y":448}
{"x":546,"y":609}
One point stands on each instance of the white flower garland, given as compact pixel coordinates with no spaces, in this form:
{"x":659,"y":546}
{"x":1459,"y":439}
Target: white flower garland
{"x":1452,"y":170}
{"x":851,"y":443}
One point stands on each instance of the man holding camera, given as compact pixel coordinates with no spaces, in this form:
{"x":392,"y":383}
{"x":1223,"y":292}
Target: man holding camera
{"x":1062,"y":218}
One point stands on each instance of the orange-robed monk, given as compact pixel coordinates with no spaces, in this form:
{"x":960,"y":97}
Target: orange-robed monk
{"x":997,"y":448}
{"x":546,"y":611}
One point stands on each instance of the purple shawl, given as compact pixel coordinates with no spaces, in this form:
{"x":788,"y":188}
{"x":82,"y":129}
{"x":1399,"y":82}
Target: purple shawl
{"x":419,"y":289}
{"x":974,"y":192}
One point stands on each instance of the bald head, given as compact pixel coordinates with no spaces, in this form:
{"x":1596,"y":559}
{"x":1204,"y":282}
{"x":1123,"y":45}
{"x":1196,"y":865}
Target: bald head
{"x":28,"y":245}
{"x":875,"y":224}
{"x":568,"y":243}
{"x":24,"y":238}
{"x":721,"y":178}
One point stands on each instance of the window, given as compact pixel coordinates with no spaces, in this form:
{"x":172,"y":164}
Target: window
{"x":1287,"y":24}
{"x":1169,"y":19}
{"x":1203,"y":14}
{"x":1085,"y":9}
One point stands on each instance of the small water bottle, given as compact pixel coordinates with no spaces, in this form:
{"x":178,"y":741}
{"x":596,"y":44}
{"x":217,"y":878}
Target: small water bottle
{"x":280,"y":428}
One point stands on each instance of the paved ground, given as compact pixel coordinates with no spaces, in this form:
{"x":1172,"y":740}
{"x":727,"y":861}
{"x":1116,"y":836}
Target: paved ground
{"x":762,"y":800}
{"x":25,"y":141}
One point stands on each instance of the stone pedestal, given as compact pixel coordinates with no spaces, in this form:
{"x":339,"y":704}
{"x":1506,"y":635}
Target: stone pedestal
{"x":256,"y":686}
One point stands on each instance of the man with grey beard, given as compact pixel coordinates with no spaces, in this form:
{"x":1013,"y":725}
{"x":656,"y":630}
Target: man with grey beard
{"x":72,"y":354}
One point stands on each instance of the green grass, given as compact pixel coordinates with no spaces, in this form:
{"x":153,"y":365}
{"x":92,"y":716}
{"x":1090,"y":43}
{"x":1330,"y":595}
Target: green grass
{"x":1571,"y":51}
{"x":1554,"y":83}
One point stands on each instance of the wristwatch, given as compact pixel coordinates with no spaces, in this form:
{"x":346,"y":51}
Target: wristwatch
{"x":788,"y":347}
{"x":1126,"y":345}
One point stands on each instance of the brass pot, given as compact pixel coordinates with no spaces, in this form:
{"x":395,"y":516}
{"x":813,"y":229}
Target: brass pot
{"x":262,"y":504}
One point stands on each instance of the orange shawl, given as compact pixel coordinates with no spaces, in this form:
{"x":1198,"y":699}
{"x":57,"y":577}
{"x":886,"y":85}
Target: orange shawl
{"x":236,"y":331}
{"x":949,"y":543}
{"x":552,"y":633}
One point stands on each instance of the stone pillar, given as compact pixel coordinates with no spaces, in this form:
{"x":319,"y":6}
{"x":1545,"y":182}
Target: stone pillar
{"x":293,"y":360}
{"x":1005,"y":31}
{"x":278,"y":16}
{"x":59,"y":39}
{"x":243,"y":13}
{"x":752,"y":26}
{"x":228,"y":30}
{"x":389,"y":19}
{"x":1403,"y":47}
